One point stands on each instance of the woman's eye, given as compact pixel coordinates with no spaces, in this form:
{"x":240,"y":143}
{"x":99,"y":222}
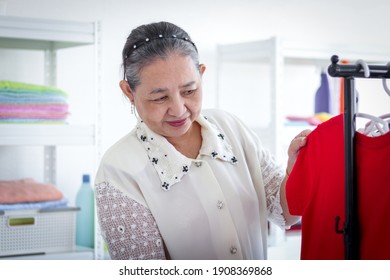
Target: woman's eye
{"x":188,"y":92}
{"x":160,"y":99}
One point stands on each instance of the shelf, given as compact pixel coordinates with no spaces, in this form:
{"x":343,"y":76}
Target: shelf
{"x":47,"y":37}
{"x":80,"y":253}
{"x":46,"y":134}
{"x":298,"y":52}
{"x":29,"y":33}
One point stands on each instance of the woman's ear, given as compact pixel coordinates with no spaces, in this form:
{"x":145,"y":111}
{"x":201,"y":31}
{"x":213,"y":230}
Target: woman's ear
{"x":202,"y":68}
{"x":124,"y":85}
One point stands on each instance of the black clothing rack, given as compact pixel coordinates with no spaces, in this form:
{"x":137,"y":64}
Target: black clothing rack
{"x":349,"y":72}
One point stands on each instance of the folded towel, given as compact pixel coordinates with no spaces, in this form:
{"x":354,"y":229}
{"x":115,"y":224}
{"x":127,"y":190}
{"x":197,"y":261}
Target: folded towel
{"x":29,"y":93}
{"x":35,"y":205}
{"x":30,"y":121}
{"x":56,"y":112}
{"x":33,"y":115}
{"x":10,"y":85}
{"x":50,"y":107}
{"x":31,"y":99}
{"x":27,"y":190}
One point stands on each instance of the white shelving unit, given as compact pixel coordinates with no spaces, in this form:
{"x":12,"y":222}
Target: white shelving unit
{"x":243,"y":66}
{"x":50,"y":36}
{"x":80,"y":253}
{"x":46,"y":135}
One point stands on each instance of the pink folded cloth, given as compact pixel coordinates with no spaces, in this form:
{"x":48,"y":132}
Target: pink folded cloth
{"x":34,"y":111}
{"x":49,"y":111}
{"x":27,"y":190}
{"x":35,"y":115}
{"x":48,"y":107}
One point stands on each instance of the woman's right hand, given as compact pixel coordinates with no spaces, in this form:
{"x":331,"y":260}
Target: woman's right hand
{"x":296,"y":144}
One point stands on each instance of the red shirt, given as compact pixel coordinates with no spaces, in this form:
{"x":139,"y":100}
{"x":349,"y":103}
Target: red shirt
{"x":316,"y":191}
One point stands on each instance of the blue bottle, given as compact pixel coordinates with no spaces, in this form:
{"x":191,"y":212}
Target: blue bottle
{"x":85,"y":219}
{"x":322,"y":97}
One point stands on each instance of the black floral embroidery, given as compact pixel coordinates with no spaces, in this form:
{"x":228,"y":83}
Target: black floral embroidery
{"x":161,"y":162}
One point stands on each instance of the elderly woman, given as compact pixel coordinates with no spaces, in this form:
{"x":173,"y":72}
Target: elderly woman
{"x":185,"y":183}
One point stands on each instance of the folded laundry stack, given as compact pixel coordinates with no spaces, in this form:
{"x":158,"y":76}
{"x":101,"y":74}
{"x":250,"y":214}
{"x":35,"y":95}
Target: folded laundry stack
{"x":29,"y":194}
{"x":28,"y":103}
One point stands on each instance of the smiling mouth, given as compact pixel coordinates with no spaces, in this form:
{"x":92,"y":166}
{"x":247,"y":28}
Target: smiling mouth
{"x":178,"y":122}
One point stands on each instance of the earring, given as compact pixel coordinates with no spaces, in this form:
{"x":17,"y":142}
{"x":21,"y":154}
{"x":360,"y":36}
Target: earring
{"x":132,"y":108}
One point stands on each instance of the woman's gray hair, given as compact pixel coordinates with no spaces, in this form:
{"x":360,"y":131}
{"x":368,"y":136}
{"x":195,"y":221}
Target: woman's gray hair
{"x":150,"y":42}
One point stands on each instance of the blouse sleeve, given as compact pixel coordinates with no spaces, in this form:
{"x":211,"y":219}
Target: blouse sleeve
{"x":273,"y":176}
{"x":127,"y":227}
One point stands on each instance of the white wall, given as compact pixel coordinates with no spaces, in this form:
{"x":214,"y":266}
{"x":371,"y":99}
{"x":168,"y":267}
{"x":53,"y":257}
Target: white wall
{"x":209,"y":23}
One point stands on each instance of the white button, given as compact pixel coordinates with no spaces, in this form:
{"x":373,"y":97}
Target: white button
{"x":233,"y":250}
{"x":220,"y":204}
{"x":121,"y":229}
{"x":198,"y":164}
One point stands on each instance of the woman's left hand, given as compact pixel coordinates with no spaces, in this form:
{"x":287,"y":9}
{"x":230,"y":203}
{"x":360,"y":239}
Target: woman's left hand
{"x":295,"y":146}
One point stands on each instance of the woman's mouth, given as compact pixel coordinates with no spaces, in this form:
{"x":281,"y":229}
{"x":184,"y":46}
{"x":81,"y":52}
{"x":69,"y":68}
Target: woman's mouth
{"x":177,"y":123}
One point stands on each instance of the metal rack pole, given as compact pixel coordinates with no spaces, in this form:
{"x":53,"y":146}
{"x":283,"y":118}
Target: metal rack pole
{"x":351,"y":226}
{"x":349,"y":72}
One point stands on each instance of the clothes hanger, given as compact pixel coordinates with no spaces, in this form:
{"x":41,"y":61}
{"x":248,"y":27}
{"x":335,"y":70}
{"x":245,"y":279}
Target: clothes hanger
{"x":384,"y":82}
{"x":387,"y":90}
{"x":366,"y":69}
{"x":377,"y":125}
{"x":385,"y":118}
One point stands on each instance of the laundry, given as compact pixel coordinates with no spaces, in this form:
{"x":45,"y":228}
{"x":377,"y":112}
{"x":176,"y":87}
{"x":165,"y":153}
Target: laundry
{"x":315,"y":190}
{"x":27,"y":190}
{"x":28,"y":103}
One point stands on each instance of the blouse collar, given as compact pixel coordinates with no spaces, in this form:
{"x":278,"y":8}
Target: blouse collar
{"x":170,"y":164}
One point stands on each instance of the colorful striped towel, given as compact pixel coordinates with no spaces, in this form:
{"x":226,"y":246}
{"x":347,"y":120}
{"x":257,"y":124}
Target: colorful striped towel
{"x":12,"y":86}
{"x":28,"y":103}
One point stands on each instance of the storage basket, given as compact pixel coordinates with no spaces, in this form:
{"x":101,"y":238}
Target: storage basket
{"x":37,"y":231}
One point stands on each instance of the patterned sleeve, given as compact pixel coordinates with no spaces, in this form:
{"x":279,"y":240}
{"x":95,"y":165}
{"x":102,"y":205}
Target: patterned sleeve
{"x":128,"y":228}
{"x":273,"y":176}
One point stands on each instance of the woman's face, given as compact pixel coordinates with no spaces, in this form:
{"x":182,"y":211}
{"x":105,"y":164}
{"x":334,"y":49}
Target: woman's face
{"x":169,"y":97}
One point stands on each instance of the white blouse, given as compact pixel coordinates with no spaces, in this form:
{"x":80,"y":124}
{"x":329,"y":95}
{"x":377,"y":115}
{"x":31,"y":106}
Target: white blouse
{"x":155,"y":203}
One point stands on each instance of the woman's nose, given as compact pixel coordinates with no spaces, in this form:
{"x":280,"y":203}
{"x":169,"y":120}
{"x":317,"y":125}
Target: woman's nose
{"x":177,"y":106}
